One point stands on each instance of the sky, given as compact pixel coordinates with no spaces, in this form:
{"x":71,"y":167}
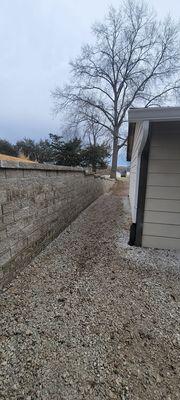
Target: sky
{"x":37,"y":40}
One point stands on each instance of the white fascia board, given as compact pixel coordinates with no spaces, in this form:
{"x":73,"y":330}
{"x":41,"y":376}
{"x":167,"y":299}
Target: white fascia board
{"x":154,"y":114}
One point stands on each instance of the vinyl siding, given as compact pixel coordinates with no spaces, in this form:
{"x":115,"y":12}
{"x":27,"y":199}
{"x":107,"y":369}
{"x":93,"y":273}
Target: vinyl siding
{"x":161,"y":227}
{"x":165,"y":153}
{"x":163,"y":192}
{"x":166,"y":205}
{"x":161,"y":242}
{"x":161,"y":230}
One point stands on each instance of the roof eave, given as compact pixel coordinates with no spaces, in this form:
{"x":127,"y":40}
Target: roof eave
{"x":154,"y":114}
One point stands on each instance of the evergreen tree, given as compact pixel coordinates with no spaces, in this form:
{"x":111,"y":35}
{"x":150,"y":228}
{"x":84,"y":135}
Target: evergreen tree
{"x":95,"y":156}
{"x":28,"y":148}
{"x":8,"y":148}
{"x":70,"y":153}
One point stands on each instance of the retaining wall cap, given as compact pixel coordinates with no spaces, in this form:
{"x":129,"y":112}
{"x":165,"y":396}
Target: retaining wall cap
{"x":35,"y":166}
{"x":7,"y":164}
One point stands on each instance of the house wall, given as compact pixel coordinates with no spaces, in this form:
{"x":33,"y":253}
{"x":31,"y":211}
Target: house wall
{"x":36,"y":203}
{"x":161,"y":227}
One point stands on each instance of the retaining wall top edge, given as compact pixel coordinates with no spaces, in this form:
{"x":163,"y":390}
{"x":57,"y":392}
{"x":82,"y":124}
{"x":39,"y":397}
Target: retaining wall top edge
{"x":35,"y":166}
{"x":17,"y":165}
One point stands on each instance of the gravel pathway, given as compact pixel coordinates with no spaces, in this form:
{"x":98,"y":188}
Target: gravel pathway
{"x":92,"y":318}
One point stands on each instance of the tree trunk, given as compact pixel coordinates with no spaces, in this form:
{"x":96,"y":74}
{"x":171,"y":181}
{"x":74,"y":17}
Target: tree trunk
{"x":114,"y":158}
{"x":94,"y":169}
{"x":94,"y":154}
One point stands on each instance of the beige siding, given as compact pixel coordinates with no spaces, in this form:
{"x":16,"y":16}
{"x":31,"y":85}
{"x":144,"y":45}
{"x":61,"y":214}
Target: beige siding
{"x":164,"y":153}
{"x":165,"y":166}
{"x":160,"y":217}
{"x":168,"y":180}
{"x":167,"y":205}
{"x":161,"y":228}
{"x":159,"y":242}
{"x":162,"y":192}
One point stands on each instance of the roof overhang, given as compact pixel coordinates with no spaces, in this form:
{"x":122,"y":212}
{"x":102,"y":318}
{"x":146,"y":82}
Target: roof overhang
{"x":151,"y":114}
{"x":154,"y":114}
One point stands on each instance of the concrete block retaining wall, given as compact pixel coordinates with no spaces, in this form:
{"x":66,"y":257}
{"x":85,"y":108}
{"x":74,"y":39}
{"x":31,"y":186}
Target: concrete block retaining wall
{"x":36,"y":203}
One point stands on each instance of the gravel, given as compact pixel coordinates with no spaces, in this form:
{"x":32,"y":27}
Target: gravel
{"x":93,"y":318}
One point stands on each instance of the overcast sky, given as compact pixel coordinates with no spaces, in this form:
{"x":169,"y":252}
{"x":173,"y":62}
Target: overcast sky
{"x":37,"y":40}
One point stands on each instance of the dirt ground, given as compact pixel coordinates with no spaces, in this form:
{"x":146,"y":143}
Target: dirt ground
{"x":93,"y":318}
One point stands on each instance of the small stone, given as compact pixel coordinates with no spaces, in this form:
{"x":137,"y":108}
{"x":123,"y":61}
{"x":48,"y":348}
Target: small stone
{"x":118,"y":380}
{"x":4,"y":363}
{"x":15,"y":387}
{"x":28,"y":332}
{"x":158,"y":379}
{"x":112,"y":395}
{"x":177,"y":338}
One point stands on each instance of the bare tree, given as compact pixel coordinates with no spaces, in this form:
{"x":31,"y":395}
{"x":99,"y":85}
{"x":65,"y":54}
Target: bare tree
{"x":92,"y":131}
{"x":134,"y":61}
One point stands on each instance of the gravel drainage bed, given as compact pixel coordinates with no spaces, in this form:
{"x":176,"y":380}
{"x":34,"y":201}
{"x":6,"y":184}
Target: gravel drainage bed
{"x":92,"y":318}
